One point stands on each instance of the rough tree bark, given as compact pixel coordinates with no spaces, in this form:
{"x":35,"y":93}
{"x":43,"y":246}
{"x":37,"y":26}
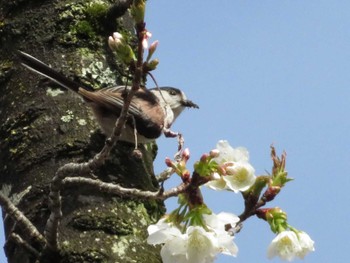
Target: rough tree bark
{"x":43,"y":127}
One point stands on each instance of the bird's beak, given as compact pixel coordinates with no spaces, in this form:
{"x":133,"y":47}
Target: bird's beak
{"x":190,"y":104}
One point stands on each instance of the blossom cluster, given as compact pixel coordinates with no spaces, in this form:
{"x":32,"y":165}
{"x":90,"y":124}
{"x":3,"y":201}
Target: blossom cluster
{"x":194,"y":244}
{"x":192,"y":233}
{"x":289,"y":245}
{"x":234,"y":172}
{"x":118,"y":43}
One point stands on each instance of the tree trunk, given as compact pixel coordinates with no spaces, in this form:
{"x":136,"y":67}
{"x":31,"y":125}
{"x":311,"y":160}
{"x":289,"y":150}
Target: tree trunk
{"x":43,"y":127}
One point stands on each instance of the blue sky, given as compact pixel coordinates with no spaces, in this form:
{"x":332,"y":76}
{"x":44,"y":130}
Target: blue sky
{"x":266,"y":72}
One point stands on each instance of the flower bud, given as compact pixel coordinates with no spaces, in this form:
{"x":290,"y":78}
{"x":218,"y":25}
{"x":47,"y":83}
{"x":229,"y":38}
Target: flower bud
{"x":111,"y":43}
{"x":169,"y":162}
{"x":126,"y":54}
{"x":146,"y":36}
{"x":123,"y":50}
{"x":153,"y":46}
{"x":204,"y":158}
{"x":115,"y":41}
{"x":117,"y":35}
{"x":214,"y":153}
{"x":152,"y":49}
{"x":186,"y":154}
{"x":152,"y":65}
{"x":221,"y":170}
{"x":277,"y":219}
{"x":138,"y":10}
{"x":271,"y":193}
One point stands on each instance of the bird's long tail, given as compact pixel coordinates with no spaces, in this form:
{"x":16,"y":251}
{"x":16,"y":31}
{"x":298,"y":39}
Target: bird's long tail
{"x":41,"y":68}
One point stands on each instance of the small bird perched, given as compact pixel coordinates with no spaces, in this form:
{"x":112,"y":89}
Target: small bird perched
{"x":152,"y":111}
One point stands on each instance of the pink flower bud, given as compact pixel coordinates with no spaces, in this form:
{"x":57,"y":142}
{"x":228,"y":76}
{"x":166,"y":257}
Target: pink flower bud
{"x":169,"y":162}
{"x":151,"y":50}
{"x":221,"y":170}
{"x":204,"y":158}
{"x":153,"y":46}
{"x":186,"y":154}
{"x":271,"y":192}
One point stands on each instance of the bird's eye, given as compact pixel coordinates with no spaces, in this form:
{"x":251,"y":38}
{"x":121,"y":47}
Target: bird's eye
{"x":172,"y":92}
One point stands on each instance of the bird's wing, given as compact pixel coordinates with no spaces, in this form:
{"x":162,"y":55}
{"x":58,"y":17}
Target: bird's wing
{"x":111,"y":98}
{"x":149,"y":120}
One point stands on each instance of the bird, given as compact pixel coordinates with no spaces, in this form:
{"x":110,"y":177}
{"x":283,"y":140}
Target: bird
{"x":151,"y":112}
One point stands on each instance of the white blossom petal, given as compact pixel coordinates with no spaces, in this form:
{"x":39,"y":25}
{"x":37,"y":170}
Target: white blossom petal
{"x":202,"y":246}
{"x":162,"y":232}
{"x":197,"y":245}
{"x":242,"y":177}
{"x":227,"y":153}
{"x":218,"y":184}
{"x":217,"y":222}
{"x":227,"y":246}
{"x":239,"y":173}
{"x":174,"y":251}
{"x":306,"y":243}
{"x":285,"y":245}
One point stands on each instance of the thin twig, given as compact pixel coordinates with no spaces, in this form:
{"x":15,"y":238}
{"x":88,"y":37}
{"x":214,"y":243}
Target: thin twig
{"x":17,"y":239}
{"x":165,"y":175}
{"x":22,"y":221}
{"x":51,"y":228}
{"x":122,"y":191}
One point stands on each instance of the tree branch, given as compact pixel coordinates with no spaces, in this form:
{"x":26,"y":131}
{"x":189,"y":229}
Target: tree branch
{"x":16,"y":238}
{"x":22,"y":221}
{"x":51,"y":228}
{"x":122,"y":191}
{"x":165,"y":175}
